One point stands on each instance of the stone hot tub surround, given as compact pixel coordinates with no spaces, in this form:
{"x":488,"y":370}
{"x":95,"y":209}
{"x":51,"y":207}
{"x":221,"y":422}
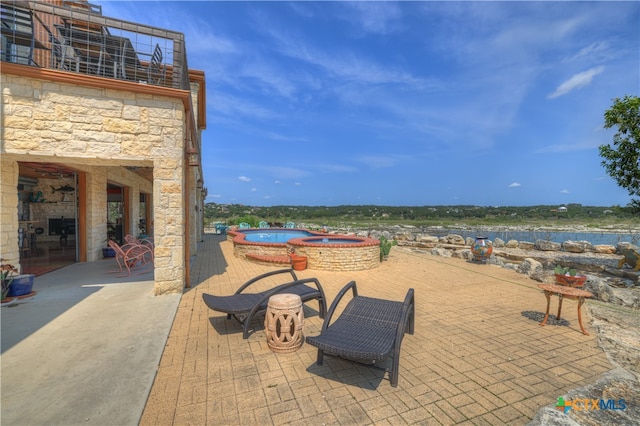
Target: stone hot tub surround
{"x":323,"y":251}
{"x":241,"y":246}
{"x":338,"y":252}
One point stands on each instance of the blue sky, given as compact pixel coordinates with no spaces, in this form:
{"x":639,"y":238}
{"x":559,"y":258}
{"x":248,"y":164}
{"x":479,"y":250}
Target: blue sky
{"x":407,"y":103}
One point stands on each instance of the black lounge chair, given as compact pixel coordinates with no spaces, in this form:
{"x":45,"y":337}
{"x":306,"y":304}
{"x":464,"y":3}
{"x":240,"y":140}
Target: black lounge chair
{"x":245,"y":306}
{"x":368,"y":330}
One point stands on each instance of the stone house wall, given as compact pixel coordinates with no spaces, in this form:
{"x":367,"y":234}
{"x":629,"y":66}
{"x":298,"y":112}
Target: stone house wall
{"x":8,"y":211}
{"x":99,"y":130}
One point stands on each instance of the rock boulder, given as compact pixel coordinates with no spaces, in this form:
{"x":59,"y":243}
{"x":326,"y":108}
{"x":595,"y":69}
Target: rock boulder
{"x":530,"y":267}
{"x":577,"y":246}
{"x":545,"y":245}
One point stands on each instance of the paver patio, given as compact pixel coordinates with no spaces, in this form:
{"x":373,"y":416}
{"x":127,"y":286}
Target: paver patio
{"x":478,"y":355}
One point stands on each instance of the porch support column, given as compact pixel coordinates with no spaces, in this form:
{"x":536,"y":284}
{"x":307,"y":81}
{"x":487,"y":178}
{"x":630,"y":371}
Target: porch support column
{"x":169,"y":223}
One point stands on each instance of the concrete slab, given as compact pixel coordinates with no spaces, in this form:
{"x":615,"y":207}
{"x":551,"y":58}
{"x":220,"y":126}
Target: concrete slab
{"x":85,"y":349}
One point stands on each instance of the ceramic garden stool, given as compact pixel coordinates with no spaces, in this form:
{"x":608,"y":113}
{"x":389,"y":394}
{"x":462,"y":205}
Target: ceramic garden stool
{"x":283,"y":323}
{"x":562,"y":292}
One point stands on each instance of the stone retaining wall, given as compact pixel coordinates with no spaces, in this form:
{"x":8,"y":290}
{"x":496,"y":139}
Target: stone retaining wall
{"x":430,"y":241}
{"x":241,"y":249}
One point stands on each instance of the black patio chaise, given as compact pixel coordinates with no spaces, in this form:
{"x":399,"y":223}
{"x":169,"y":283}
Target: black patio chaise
{"x":367,"y":331}
{"x":244,"y":306}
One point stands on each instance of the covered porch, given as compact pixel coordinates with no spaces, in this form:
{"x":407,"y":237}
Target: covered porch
{"x":55,"y":214}
{"x":79,"y":138}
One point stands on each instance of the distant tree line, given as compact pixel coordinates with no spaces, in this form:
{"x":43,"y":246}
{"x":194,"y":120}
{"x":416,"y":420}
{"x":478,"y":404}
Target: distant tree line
{"x":236,"y":213}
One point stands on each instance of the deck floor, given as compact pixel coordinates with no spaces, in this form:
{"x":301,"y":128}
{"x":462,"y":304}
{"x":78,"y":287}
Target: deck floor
{"x":478,"y":355}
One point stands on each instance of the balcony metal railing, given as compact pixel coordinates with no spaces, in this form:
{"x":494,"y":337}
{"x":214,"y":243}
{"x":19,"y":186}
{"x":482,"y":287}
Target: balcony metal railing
{"x":74,"y":36}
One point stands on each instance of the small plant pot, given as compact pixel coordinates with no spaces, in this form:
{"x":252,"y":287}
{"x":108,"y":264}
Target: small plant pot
{"x":571,"y":281}
{"x":298,"y":263}
{"x":108,"y":252}
{"x":21,"y":285}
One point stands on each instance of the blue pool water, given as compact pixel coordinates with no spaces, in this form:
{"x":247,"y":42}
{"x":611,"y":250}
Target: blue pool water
{"x":273,"y":235}
{"x":321,"y":240}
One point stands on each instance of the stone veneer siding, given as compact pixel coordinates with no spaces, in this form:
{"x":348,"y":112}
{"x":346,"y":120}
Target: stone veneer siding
{"x":362,"y":254}
{"x":9,"y":212}
{"x":87,"y":127}
{"x":270,"y":249}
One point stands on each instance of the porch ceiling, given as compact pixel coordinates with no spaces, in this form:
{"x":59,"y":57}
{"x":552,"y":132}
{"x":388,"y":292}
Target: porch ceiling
{"x":45,"y":170}
{"x":145,"y":172}
{"x":60,"y":171}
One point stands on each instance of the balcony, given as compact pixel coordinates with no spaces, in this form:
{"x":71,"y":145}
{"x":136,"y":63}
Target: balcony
{"x":74,"y":37}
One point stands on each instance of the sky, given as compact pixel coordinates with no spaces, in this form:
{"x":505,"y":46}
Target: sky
{"x":406,"y":103}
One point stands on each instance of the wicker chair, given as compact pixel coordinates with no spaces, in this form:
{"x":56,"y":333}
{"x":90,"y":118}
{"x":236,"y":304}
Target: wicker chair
{"x":368,"y":330}
{"x":243,"y":307}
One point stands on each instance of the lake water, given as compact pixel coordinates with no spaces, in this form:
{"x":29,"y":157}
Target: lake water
{"x":594,"y":238}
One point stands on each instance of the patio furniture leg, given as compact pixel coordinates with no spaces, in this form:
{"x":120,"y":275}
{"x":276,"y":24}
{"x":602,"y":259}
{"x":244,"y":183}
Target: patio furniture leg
{"x":580,"y":302}
{"x":393,"y":374}
{"x":119,"y":264}
{"x":560,"y":297}
{"x":547,"y":294}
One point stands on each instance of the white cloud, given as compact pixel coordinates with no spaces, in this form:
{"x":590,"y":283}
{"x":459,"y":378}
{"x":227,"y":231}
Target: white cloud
{"x":379,"y":162}
{"x":514,"y":185}
{"x":268,"y":77}
{"x":334,"y":168}
{"x":283,"y":172}
{"x":576,"y":81}
{"x":277,"y":182}
{"x":597,"y":50}
{"x":584,"y":144}
{"x":234,"y":106}
{"x":254,"y":189}
{"x":564,"y":191}
{"x":375,"y":17}
{"x":244,"y":179}
{"x":285,"y":138}
{"x":343,"y":65}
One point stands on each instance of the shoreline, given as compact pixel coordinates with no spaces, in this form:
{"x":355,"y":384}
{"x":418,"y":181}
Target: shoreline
{"x":525,"y":228}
